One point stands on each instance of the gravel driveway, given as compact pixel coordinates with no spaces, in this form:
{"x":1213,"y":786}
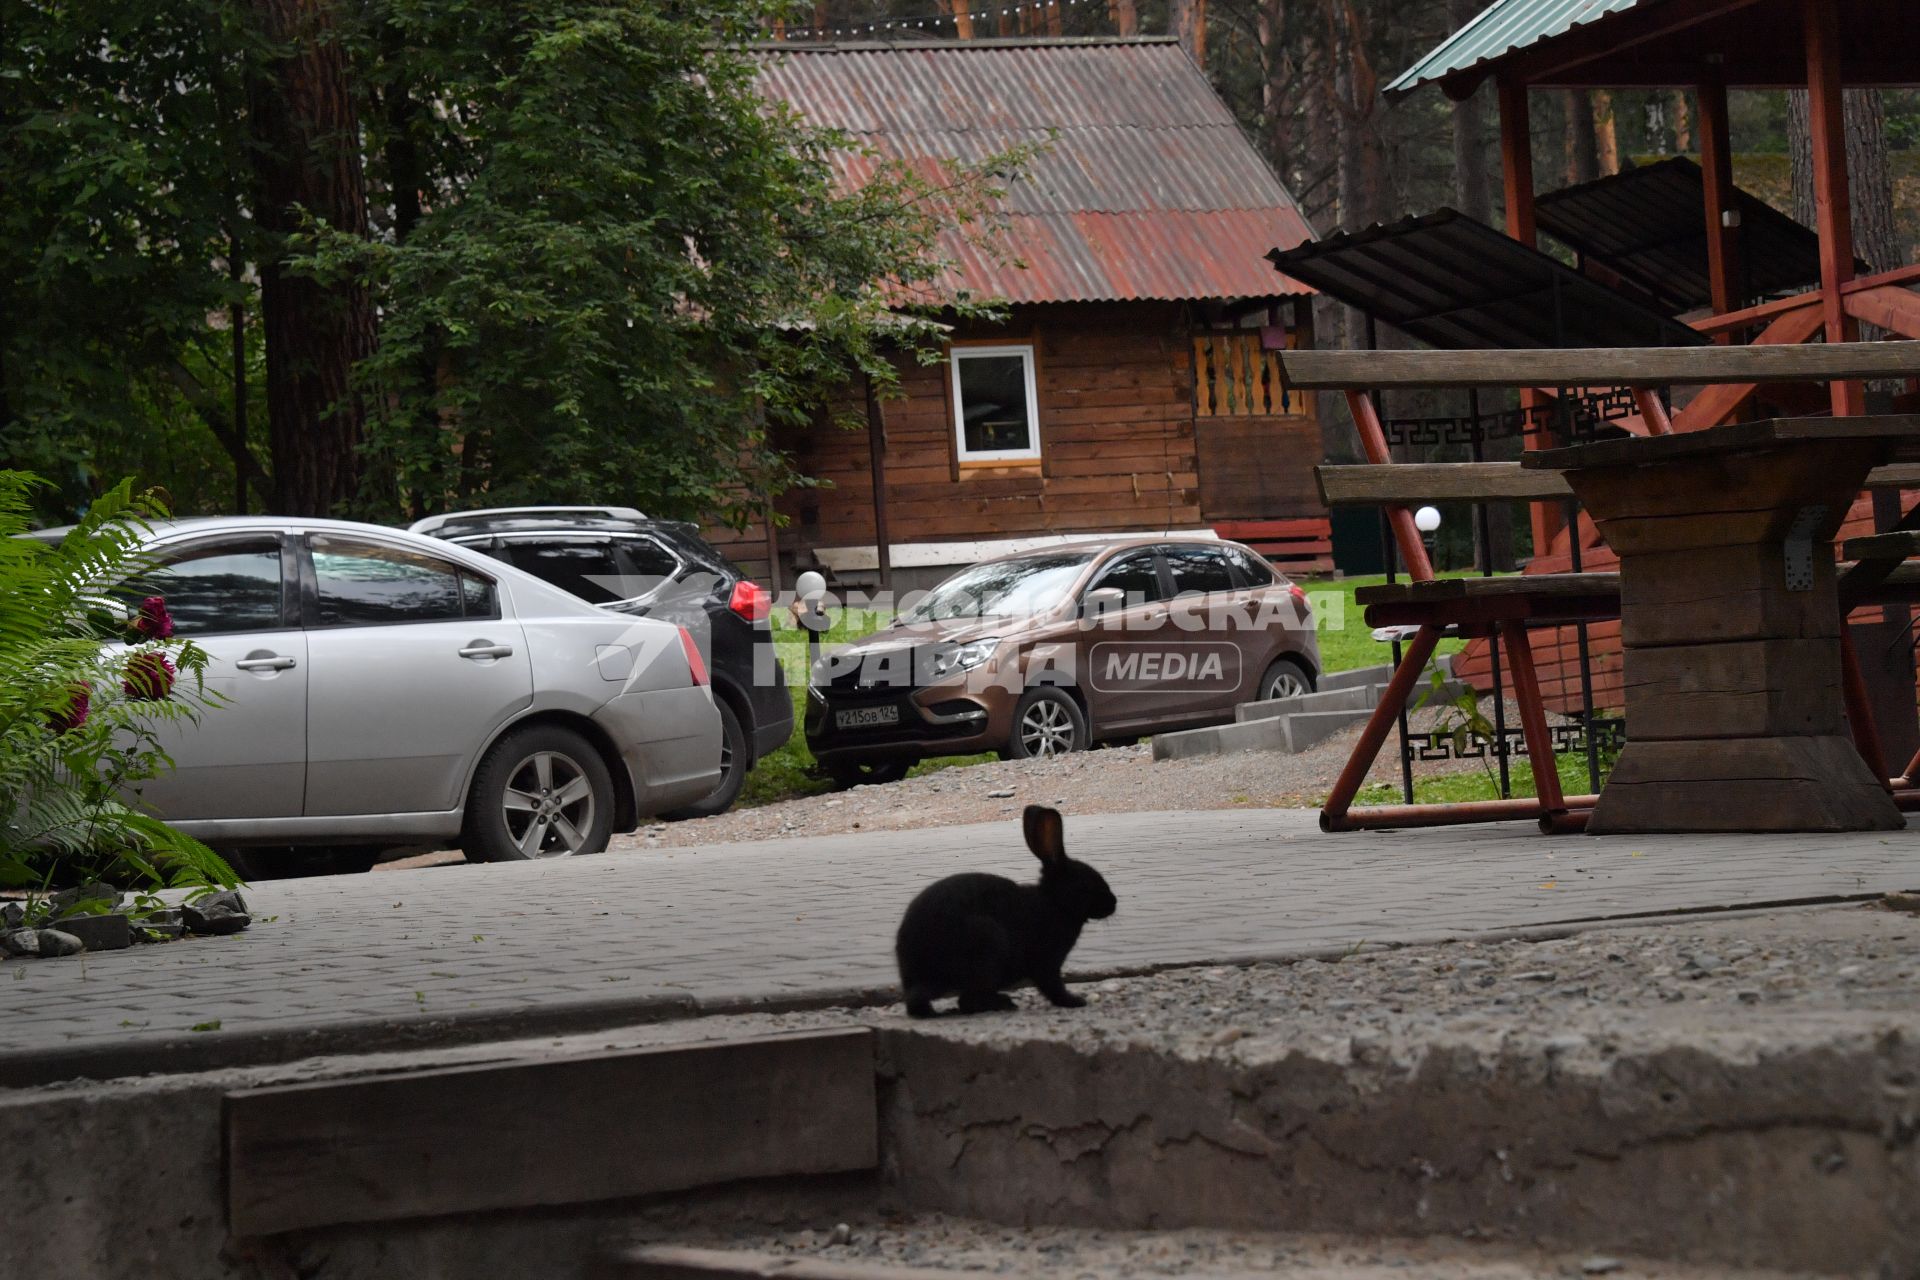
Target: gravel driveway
{"x":1110,"y":780}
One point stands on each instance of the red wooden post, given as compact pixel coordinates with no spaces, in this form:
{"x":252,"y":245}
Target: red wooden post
{"x":1716,"y":162}
{"x":1833,"y":203}
{"x":1373,"y":442}
{"x":1386,"y":713}
{"x":1533,"y":717}
{"x":1516,"y":172}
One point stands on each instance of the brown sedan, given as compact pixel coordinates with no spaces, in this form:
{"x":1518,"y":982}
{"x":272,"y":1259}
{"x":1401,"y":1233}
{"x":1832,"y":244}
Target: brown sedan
{"x":1050,"y":651}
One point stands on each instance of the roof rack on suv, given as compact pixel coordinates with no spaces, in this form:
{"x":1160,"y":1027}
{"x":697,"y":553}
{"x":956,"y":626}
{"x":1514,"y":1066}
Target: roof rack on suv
{"x":432,"y":523}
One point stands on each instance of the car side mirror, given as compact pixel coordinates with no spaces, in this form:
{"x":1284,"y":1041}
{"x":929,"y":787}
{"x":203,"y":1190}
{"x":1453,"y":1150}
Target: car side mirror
{"x":1102,"y":600}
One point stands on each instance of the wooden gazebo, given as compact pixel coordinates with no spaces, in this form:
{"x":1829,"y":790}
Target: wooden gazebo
{"x":1708,"y":46}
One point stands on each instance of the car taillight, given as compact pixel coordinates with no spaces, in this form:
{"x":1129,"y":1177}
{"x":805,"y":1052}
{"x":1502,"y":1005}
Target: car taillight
{"x":696,"y":665}
{"x":751,"y":601}
{"x":1299,"y":596}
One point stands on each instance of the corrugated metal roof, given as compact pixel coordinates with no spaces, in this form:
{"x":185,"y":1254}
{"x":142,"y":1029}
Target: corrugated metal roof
{"x":1455,"y":283}
{"x":1148,"y":191}
{"x":1501,"y":28}
{"x":1649,"y":226}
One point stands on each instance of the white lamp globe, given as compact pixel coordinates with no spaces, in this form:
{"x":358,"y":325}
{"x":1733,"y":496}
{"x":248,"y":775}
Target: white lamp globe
{"x":810,"y":586}
{"x":1427,"y":519}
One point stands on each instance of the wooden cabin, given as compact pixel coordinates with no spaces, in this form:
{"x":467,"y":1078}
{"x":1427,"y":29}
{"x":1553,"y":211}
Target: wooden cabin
{"x":1131,"y":387}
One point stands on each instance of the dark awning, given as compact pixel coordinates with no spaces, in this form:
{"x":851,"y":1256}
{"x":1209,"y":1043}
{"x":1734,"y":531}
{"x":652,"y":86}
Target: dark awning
{"x":1649,"y":226}
{"x":1453,"y":282}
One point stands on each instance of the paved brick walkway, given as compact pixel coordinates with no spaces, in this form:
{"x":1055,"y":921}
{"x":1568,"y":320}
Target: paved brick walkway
{"x":361,"y":960}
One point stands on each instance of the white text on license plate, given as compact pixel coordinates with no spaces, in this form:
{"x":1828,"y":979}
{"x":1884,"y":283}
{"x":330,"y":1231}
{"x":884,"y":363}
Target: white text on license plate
{"x":866,"y":717}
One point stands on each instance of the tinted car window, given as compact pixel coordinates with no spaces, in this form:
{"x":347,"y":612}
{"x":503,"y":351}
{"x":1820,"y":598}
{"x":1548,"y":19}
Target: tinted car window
{"x":1198,"y":569}
{"x":361,"y":583}
{"x":233,"y":586}
{"x":1252,"y":568}
{"x":479,"y":596}
{"x":1134,"y":574}
{"x":588,"y":569}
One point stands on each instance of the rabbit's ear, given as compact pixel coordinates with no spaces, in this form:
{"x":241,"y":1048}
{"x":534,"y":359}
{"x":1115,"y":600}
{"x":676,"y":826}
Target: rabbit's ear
{"x":1046,"y":834}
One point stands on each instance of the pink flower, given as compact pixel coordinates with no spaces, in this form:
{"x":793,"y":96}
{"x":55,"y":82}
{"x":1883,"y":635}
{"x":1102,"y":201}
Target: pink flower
{"x":80,"y":703}
{"x":149,"y":677}
{"x":153,"y":621}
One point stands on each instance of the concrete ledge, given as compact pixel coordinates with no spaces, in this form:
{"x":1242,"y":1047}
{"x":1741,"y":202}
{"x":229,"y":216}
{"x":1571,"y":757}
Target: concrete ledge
{"x":1358,"y":698}
{"x":1219,"y":739}
{"x":564,"y":1131}
{"x":673,"y":1262}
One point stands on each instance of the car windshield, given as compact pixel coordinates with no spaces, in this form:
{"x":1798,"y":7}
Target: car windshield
{"x":1003,"y":588}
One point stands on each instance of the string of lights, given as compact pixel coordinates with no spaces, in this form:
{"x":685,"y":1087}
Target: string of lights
{"x":935,"y":22}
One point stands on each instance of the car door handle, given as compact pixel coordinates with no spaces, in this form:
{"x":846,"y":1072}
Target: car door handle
{"x":269,"y":662}
{"x":481,"y":649}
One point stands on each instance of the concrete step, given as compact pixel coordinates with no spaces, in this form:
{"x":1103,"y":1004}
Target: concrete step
{"x":1356,"y":698}
{"x":1306,"y":729}
{"x":1287,"y":724}
{"x":1370,"y":675}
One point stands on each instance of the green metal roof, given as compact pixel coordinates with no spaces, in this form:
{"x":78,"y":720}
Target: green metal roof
{"x":1504,"y":26}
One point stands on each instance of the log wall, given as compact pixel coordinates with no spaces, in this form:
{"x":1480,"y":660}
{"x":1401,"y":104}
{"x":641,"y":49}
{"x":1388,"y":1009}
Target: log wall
{"x":1118,"y":445}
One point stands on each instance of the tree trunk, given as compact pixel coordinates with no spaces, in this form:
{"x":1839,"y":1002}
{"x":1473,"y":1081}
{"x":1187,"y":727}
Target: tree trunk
{"x":1187,"y":19}
{"x":1682,"y":122}
{"x":305,"y":130}
{"x":961,"y":11}
{"x":1472,"y":186}
{"x":1869,"y":177}
{"x":1606,"y":138}
{"x":1583,"y":151}
{"x":1126,"y":16}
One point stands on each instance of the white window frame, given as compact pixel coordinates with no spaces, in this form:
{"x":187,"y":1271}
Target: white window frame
{"x":1025,"y":351}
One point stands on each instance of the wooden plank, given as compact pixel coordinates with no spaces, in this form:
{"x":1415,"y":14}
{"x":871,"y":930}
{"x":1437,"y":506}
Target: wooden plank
{"x":1367,"y":484}
{"x":1600,"y":366}
{"x":1541,"y":586}
{"x":1638,"y":451}
{"x":1895,"y":475}
{"x":524,"y":1134}
{"x":1899,"y":545}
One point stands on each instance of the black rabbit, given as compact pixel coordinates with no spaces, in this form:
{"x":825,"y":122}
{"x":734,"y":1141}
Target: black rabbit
{"x":974,"y":935}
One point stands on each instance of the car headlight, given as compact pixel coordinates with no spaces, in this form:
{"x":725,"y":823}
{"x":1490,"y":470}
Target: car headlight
{"x":964,"y":657}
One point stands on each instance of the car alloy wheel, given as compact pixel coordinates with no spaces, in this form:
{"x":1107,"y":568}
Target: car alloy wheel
{"x":548,"y":806}
{"x":1049,"y":726}
{"x":1284,"y":680}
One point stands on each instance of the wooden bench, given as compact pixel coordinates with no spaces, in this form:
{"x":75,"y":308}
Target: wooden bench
{"x":1505,"y":611}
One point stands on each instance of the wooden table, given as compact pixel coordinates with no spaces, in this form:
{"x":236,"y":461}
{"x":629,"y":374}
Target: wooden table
{"x":1730,"y":622}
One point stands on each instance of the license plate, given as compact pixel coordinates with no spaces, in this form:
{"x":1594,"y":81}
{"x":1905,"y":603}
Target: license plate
{"x":866,"y":717}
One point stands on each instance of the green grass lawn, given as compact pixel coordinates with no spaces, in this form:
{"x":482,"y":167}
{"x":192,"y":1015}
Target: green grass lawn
{"x":1345,"y":643}
{"x":1477,"y":784}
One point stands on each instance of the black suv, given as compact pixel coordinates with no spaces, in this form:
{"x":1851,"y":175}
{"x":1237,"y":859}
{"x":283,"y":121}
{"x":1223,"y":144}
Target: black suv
{"x":619,"y":559}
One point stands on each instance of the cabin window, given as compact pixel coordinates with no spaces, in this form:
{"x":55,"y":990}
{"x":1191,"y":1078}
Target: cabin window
{"x":994,"y":404}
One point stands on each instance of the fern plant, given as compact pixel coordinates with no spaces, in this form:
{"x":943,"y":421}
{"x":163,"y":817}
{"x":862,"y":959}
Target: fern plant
{"x":88,"y":676}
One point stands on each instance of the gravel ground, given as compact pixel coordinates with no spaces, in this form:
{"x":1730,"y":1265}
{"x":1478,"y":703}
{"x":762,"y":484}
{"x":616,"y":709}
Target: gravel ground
{"x":1110,"y":780}
{"x":1735,"y":975}
{"x":1758,"y":979}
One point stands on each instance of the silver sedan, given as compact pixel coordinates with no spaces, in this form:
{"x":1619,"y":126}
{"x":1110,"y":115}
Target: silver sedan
{"x":378,"y":688}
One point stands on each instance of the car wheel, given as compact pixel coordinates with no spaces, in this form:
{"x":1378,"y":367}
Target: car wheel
{"x":542,"y":792}
{"x":733,"y":770}
{"x":1046,"y":723}
{"x":1285,"y":678}
{"x":866,"y":773}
